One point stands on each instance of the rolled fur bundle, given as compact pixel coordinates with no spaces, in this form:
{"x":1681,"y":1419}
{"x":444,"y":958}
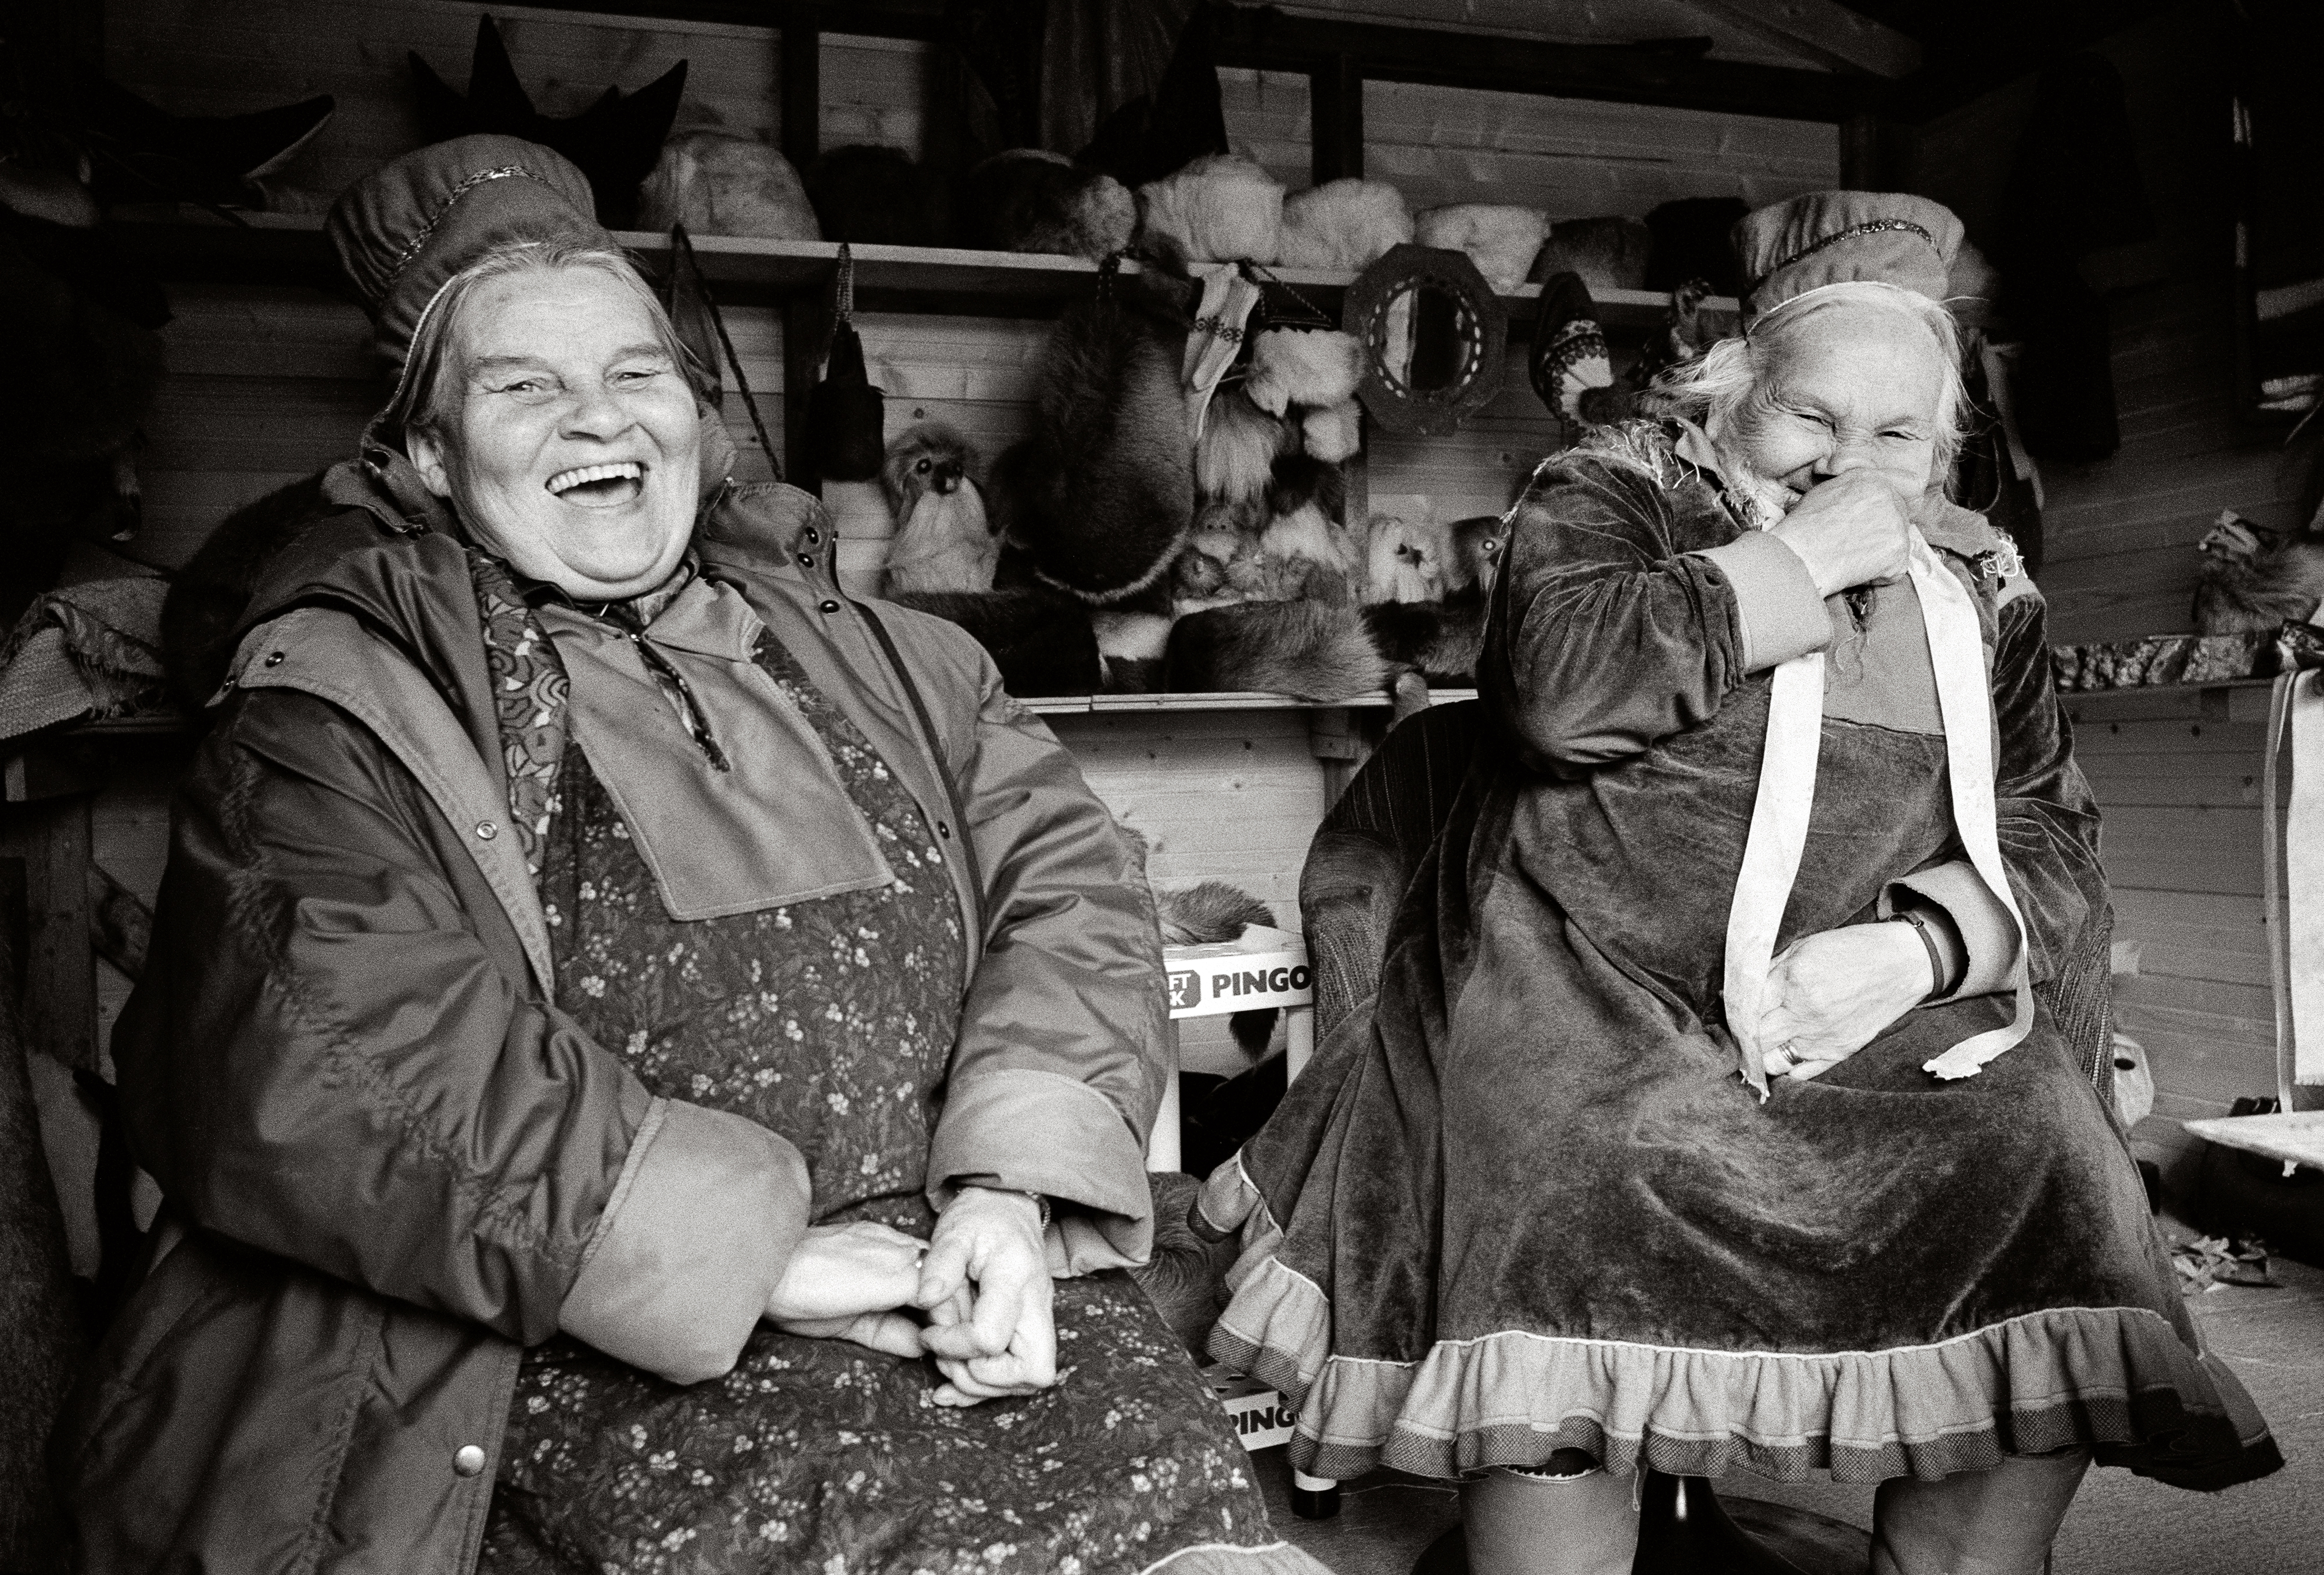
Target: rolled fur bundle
{"x":1332,"y":433}
{"x":1343,"y":224}
{"x":715,"y":183}
{"x":1219,"y":209}
{"x":1608,"y":254}
{"x":1501,"y":241}
{"x":1028,"y":200}
{"x":1303,"y":366}
{"x":1101,"y":496}
{"x":1235,"y":457}
{"x":1309,"y":651}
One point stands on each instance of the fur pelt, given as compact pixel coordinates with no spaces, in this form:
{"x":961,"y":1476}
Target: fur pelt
{"x":943,"y":540}
{"x":1041,"y":641}
{"x":1343,"y":224}
{"x":1208,"y":914}
{"x":874,"y":196}
{"x":1441,"y":640}
{"x":1307,"y":540}
{"x":1310,"y":650}
{"x":1303,"y":366}
{"x":2255,"y":580}
{"x":1219,"y":209}
{"x":1299,"y":481}
{"x":1332,"y":433}
{"x":1502,"y":241}
{"x":207,"y":600}
{"x":1102,"y":495}
{"x":1608,"y":253}
{"x":1235,"y":456}
{"x":715,"y":183}
{"x":1028,"y":200}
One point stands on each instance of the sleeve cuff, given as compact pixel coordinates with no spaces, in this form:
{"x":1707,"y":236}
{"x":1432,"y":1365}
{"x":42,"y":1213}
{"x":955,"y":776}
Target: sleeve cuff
{"x":1043,"y":1132}
{"x":1775,"y":599}
{"x":707,"y":1212}
{"x":1987,"y":932}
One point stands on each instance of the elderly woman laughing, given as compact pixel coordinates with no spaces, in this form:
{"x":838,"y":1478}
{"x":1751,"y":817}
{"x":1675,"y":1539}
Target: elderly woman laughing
{"x":647,"y":1058}
{"x":1712,"y":1115}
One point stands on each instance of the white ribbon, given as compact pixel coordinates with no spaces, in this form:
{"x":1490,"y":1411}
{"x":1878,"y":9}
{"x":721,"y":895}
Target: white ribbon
{"x":1779,"y":815}
{"x":2295,"y":895}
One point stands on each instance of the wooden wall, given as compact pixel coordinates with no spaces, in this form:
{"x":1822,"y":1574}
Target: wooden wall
{"x":2178,"y":780}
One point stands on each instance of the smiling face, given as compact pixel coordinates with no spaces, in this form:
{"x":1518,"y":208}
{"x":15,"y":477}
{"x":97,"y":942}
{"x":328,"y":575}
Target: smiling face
{"x":564,"y":433}
{"x":1847,"y":386}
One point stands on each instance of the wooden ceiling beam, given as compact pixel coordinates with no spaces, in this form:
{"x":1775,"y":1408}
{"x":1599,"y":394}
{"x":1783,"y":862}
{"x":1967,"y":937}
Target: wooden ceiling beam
{"x":1824,"y":31}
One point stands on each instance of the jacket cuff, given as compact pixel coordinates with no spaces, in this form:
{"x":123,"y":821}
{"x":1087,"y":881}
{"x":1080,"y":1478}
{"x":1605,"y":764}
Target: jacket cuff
{"x":708,"y":1211}
{"x":1043,"y":1132}
{"x":1776,"y":599}
{"x":1987,"y":932}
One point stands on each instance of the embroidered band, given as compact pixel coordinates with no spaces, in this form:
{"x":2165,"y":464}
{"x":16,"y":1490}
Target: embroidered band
{"x":1869,"y":227}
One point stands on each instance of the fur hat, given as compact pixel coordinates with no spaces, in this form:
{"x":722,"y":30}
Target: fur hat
{"x":1501,"y":241}
{"x":1606,"y":253}
{"x":1028,"y":200}
{"x":1343,"y":224}
{"x":1219,"y":209}
{"x":405,"y":228}
{"x":1833,"y":238}
{"x":1303,"y":366}
{"x":715,"y":183}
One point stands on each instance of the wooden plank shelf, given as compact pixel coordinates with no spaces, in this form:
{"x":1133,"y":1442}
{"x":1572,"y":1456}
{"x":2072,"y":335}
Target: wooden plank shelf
{"x":289,"y":249}
{"x":1225,"y":700}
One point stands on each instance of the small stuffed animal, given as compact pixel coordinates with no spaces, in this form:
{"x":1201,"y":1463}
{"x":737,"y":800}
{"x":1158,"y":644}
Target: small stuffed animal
{"x":1501,"y":241}
{"x":1406,"y":560}
{"x":1218,"y":209}
{"x":2256,"y":581}
{"x":1303,"y":366}
{"x":715,"y":183}
{"x":943,"y":540}
{"x":1028,"y":200}
{"x":1343,"y":224}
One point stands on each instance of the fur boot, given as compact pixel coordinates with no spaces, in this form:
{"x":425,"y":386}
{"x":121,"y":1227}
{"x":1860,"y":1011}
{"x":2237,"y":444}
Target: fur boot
{"x":2256,"y":581}
{"x":1303,"y":366}
{"x":1307,"y":649}
{"x":1041,"y":640}
{"x":1234,"y":460}
{"x":874,"y":196}
{"x":1343,"y":224}
{"x":1501,"y":241}
{"x":1219,"y":209}
{"x":943,"y":540}
{"x":1101,"y":496}
{"x":718,"y":184}
{"x":1028,"y":200}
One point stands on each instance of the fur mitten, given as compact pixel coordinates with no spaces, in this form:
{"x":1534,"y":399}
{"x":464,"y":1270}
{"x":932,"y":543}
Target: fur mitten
{"x":1332,"y":433}
{"x":1219,"y":209}
{"x":1501,"y":241}
{"x":1028,"y":200}
{"x":718,"y":184}
{"x":1343,"y":224}
{"x":875,"y":196}
{"x":1608,"y":253}
{"x":1307,"y":649}
{"x":1303,"y":366}
{"x":1235,"y":457}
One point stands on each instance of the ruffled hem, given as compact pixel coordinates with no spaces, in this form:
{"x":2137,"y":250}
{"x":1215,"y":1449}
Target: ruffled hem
{"x":1230,"y":1558}
{"x":2116,"y":1380}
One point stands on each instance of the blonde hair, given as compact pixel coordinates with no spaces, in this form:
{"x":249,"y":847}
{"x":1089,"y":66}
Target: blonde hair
{"x":1711,"y":386}
{"x":414,"y":406}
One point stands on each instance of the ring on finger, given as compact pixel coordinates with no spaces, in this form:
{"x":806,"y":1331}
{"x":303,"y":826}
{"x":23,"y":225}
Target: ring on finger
{"x":1791,"y":1061}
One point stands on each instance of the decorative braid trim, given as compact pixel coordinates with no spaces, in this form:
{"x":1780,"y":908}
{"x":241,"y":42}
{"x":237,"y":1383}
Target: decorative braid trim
{"x":411,"y":249}
{"x":1869,"y":227}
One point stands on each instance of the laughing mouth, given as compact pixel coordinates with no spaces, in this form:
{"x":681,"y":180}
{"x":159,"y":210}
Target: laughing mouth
{"x":598,"y":485}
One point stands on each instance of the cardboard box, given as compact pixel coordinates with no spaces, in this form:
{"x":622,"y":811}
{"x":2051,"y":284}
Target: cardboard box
{"x":1260,"y":1418}
{"x":1265,"y":968}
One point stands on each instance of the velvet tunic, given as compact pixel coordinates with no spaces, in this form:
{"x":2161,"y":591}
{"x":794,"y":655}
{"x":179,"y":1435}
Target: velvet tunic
{"x":1525,"y":1202}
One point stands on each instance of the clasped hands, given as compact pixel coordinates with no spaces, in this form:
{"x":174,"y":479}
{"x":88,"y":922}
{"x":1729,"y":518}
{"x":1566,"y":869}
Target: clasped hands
{"x":976,"y":1296}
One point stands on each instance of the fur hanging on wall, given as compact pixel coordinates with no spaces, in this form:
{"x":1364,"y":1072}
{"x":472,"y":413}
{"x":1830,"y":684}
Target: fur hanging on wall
{"x":1028,"y":200}
{"x":614,"y":142}
{"x":715,"y":183}
{"x":1234,"y":459}
{"x":1502,"y":241}
{"x":1303,"y":366}
{"x":2256,"y":580}
{"x":1606,"y":253}
{"x":874,"y":195}
{"x":1040,"y":639}
{"x":1102,"y":495}
{"x":1219,"y":209}
{"x":1343,"y":224}
{"x":943,"y":540}
{"x":1332,"y":433}
{"x":1310,"y":650}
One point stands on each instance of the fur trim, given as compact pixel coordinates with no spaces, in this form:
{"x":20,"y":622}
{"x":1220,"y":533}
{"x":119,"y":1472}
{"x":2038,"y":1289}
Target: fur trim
{"x":1343,"y":224}
{"x":874,"y":195}
{"x":1218,"y":209}
{"x":1501,"y":241}
{"x":1239,"y":445}
{"x":715,"y":183}
{"x":1028,"y":200}
{"x":1208,"y":914}
{"x":1333,"y":433}
{"x":1306,"y":649}
{"x":1041,"y":641}
{"x":1608,"y":253}
{"x":1303,"y":366}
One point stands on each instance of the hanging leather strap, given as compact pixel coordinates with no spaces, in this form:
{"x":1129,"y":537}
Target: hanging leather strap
{"x":2292,"y":879}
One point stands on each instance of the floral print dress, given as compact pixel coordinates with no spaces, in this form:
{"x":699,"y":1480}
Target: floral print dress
{"x":830,"y":1021}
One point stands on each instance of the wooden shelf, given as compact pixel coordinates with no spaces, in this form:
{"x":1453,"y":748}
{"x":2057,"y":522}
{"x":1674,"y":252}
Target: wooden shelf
{"x":1244,"y":700}
{"x":289,"y":248}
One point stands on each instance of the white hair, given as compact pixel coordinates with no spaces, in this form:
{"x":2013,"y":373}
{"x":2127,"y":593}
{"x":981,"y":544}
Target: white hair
{"x":1709,"y":387}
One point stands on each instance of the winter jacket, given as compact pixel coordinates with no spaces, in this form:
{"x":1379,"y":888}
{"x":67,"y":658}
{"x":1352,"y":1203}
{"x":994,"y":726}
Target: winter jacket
{"x":389,"y":1160}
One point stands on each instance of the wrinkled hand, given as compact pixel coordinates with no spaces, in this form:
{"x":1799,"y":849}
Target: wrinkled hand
{"x":1851,"y":530}
{"x":1833,"y":993}
{"x":991,"y":1304}
{"x":851,"y":1282}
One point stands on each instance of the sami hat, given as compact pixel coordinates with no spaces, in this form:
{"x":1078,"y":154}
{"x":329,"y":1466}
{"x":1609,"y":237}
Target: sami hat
{"x":1833,"y":238}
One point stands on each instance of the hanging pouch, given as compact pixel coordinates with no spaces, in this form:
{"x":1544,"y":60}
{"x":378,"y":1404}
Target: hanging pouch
{"x":845,"y":417}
